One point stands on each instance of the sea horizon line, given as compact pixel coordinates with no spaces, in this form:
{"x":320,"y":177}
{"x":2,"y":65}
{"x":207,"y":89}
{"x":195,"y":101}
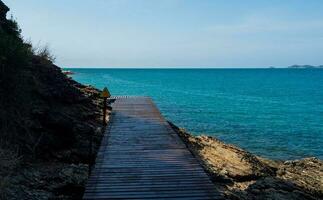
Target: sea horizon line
{"x":183,"y":68}
{"x":165,"y":67}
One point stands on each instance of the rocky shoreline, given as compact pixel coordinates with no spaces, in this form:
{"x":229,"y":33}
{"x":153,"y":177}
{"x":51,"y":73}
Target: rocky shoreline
{"x":239,"y":174}
{"x":56,"y":173}
{"x":51,"y":129}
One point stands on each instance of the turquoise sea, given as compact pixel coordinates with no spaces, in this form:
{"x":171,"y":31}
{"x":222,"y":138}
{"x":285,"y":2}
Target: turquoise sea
{"x":276,"y":113}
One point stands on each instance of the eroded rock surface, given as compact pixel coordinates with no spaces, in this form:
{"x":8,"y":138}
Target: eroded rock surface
{"x":242,"y":175}
{"x":306,"y":173}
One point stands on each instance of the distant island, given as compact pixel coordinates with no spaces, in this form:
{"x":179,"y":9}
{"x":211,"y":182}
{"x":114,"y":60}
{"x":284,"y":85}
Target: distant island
{"x":305,"y":67}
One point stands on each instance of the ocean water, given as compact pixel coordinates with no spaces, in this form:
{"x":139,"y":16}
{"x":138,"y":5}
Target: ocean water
{"x":275,"y":113}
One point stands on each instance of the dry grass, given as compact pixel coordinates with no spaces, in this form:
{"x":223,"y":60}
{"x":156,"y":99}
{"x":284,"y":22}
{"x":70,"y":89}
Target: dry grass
{"x":43,"y":51}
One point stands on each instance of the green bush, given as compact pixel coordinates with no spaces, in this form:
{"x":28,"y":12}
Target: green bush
{"x":13,"y":51}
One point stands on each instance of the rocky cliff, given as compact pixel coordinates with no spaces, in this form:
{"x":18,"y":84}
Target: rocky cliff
{"x":49,"y":124}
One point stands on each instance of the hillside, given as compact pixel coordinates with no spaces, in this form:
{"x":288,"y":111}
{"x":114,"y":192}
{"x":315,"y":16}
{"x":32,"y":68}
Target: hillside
{"x":47,"y":122}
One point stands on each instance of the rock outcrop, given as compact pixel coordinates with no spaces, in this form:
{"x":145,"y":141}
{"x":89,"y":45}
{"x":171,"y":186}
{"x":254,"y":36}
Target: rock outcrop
{"x":242,"y":175}
{"x":306,"y":173}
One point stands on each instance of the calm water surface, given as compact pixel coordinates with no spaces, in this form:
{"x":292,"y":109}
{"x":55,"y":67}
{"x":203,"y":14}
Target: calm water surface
{"x":276,"y":113}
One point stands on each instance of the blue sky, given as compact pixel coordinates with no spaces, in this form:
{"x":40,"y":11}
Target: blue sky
{"x":175,"y":33}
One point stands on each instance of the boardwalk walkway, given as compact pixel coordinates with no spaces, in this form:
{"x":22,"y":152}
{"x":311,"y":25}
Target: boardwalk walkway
{"x":141,"y":157}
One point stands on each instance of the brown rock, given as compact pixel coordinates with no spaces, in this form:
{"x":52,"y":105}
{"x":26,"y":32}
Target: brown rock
{"x":306,"y":173}
{"x":275,"y":188}
{"x":250,"y":177}
{"x":226,"y":161}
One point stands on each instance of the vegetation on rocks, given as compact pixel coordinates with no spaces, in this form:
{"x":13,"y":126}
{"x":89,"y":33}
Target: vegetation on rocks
{"x":48,"y":122}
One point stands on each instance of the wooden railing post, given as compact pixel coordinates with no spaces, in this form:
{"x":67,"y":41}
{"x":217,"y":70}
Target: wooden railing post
{"x":105,"y":94}
{"x":104,"y":111}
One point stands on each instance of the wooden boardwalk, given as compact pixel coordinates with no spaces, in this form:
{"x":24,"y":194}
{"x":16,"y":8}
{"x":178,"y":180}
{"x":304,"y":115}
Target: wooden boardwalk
{"x":141,"y":157}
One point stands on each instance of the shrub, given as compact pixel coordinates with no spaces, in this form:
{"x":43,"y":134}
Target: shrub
{"x":44,"y":52}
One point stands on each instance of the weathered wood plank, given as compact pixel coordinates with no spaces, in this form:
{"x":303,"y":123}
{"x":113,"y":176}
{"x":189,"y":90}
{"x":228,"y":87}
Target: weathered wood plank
{"x":141,"y":157}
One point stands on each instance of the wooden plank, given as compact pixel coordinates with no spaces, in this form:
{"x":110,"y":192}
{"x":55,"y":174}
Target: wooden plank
{"x":151,"y":195}
{"x":162,"y":184}
{"x":141,"y":157}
